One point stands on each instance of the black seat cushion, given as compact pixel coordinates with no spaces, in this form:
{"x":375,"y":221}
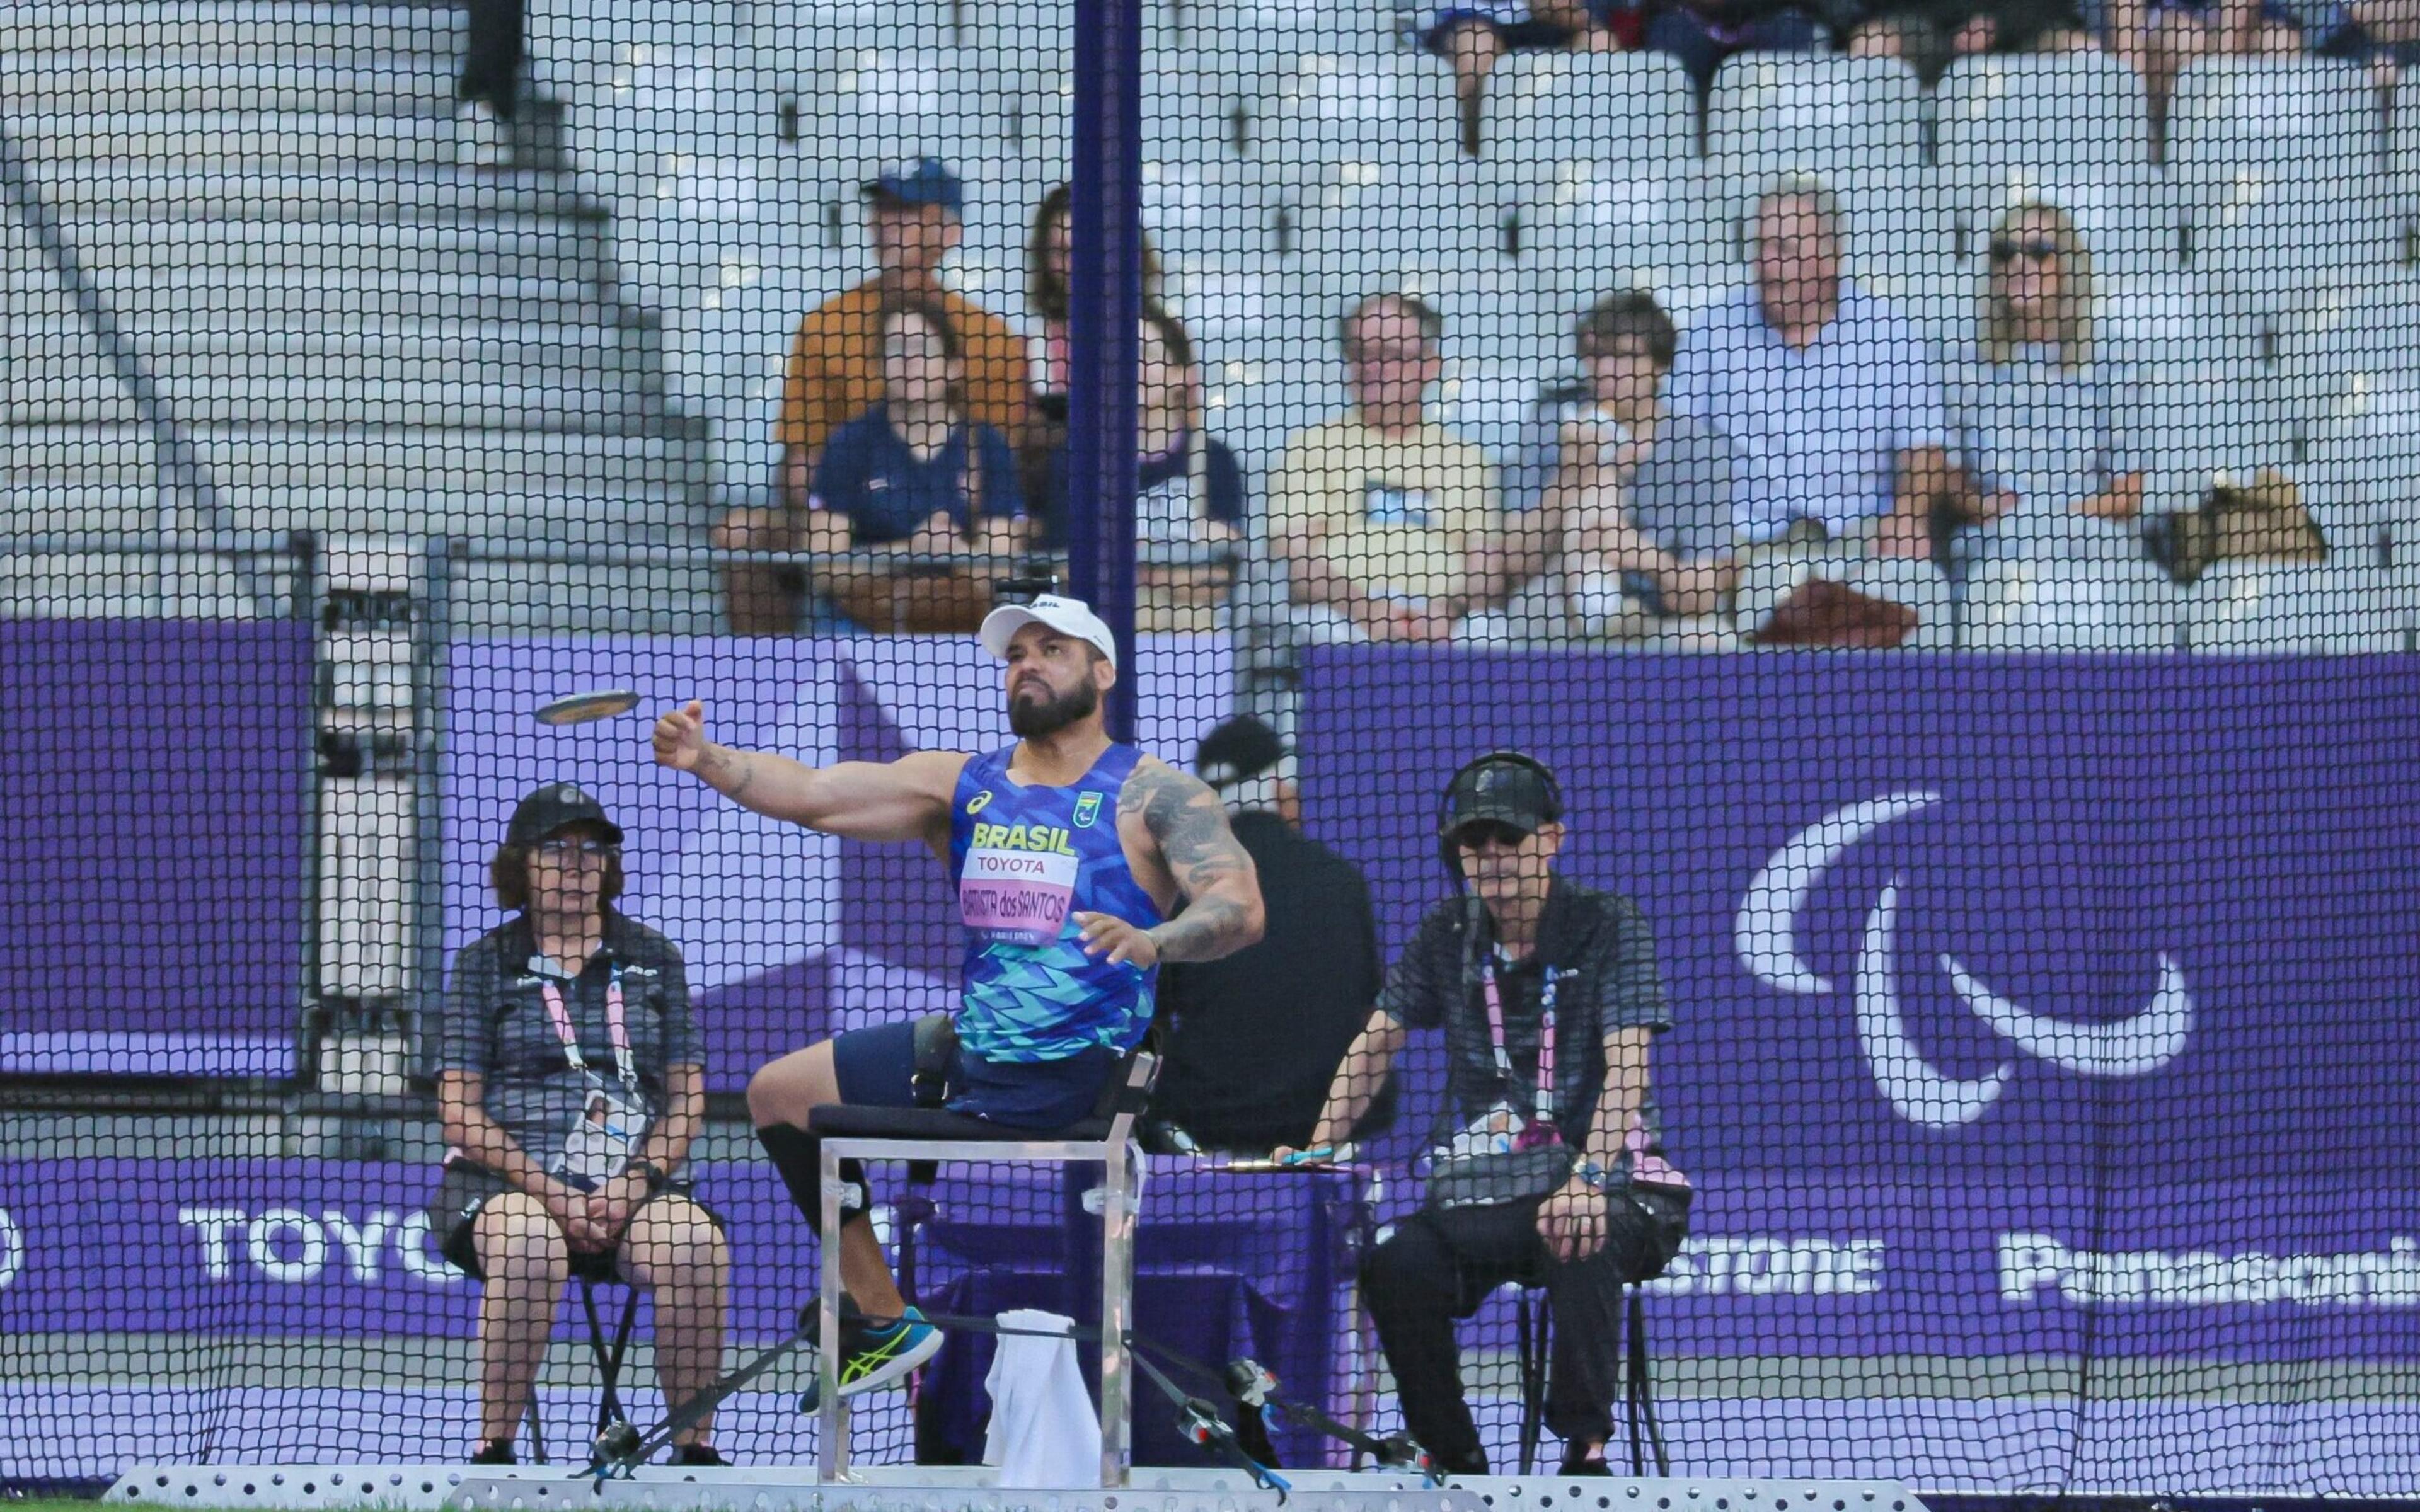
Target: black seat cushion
{"x":844,"y":1122}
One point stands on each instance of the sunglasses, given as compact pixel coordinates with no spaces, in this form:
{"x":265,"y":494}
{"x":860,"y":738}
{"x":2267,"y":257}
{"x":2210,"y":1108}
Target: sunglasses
{"x":1479,"y":831}
{"x":566,"y":849}
{"x":2006,"y":250}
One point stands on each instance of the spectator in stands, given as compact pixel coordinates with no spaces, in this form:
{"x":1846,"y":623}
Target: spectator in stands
{"x":1548,"y":1165}
{"x":1389,"y":525}
{"x":1192,"y":488}
{"x":2161,"y":38}
{"x":488,"y":87}
{"x":2044,"y":425}
{"x":1700,"y":34}
{"x":1049,"y":256}
{"x":917,"y":473}
{"x":1307,"y":985}
{"x":836,"y":373}
{"x":1833,"y":400}
{"x":1927,"y":35}
{"x":1474,"y":34}
{"x":570,"y":1086}
{"x":2382,"y":34}
{"x":1640,"y":497}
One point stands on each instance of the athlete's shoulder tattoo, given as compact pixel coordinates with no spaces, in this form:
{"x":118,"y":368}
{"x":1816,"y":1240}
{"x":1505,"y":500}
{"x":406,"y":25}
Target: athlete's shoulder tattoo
{"x":1189,"y":824}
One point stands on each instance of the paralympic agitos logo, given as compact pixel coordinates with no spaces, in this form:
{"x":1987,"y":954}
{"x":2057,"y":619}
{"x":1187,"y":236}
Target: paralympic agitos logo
{"x":1766,"y":937}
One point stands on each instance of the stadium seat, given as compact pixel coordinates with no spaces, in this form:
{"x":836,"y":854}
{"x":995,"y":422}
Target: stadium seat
{"x":1593,"y":157}
{"x":1265,"y":35}
{"x":1432,"y":227}
{"x":361,"y":335}
{"x":898,"y":102}
{"x":2366,"y":479}
{"x":57,"y":374}
{"x":2275,"y":170}
{"x":1357,"y":118}
{"x":1038,"y":29}
{"x":1634,"y":108}
{"x":2073,"y":117}
{"x":1855,"y":122}
{"x":2072,"y":129}
{"x":2251,"y":607}
{"x":2102,"y":593}
{"x":2218,"y":409}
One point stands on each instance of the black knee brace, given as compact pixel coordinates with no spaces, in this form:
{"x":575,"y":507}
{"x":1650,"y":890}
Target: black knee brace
{"x":799,"y":1156}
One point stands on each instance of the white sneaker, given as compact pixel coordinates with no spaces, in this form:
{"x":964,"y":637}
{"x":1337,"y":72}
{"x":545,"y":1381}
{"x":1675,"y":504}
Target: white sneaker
{"x":484,"y":141}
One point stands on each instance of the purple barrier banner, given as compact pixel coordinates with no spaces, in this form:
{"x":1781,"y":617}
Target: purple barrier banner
{"x":158,"y":844}
{"x":2016,"y":1000}
{"x":312,"y":1247}
{"x":788,"y":936}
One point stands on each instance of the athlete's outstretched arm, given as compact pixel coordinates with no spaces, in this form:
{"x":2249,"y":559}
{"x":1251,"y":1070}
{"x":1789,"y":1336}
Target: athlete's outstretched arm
{"x":1221,"y":888}
{"x":906,"y":799}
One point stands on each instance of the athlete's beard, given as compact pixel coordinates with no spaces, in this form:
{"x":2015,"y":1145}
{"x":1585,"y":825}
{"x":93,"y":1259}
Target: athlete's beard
{"x":1036,"y":720}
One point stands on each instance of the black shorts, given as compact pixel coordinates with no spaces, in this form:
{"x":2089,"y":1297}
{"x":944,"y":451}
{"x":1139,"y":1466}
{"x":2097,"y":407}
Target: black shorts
{"x":876,"y":1067}
{"x":465,"y":1188}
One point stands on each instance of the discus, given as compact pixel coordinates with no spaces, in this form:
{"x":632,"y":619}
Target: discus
{"x":579,"y":708}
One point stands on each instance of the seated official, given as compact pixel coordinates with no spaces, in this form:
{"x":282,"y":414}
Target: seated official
{"x":571,"y":1084}
{"x":918,"y":475}
{"x":1305,"y":986}
{"x":1547,"y":1167}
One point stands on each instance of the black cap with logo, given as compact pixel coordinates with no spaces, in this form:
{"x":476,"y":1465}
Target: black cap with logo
{"x":1237,"y":750}
{"x":1505,"y":788}
{"x":557,"y":805}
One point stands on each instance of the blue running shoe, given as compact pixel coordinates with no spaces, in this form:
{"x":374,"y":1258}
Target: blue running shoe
{"x":873,"y":1357}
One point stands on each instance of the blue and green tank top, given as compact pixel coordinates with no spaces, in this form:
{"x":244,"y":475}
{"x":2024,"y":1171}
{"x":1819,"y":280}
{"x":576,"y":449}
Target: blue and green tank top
{"x":1026,"y":860}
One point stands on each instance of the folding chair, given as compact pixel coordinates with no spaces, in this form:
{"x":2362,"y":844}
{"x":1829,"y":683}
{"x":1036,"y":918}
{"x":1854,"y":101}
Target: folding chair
{"x":1533,"y":1338}
{"x":932,"y":1134}
{"x":590,"y":1270}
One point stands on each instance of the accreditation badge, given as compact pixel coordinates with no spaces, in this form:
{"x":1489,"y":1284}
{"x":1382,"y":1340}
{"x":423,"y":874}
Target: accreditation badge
{"x":600,"y":1141}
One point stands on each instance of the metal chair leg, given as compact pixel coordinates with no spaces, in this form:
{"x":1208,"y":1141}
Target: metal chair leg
{"x":832,"y":1414}
{"x":1530,"y":1356}
{"x":608,"y":1358}
{"x":1117,"y":1296}
{"x":1639,"y":1394}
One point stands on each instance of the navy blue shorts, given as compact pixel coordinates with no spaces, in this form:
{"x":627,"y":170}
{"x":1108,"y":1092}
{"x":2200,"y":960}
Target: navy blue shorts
{"x":876,"y":1067}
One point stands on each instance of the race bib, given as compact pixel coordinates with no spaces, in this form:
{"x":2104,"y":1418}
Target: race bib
{"x":599,"y":1141}
{"x":1017,"y":897}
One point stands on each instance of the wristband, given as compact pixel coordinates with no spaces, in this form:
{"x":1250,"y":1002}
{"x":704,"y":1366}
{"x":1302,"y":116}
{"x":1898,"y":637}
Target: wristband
{"x":1592,"y":1175}
{"x":654,"y":1175}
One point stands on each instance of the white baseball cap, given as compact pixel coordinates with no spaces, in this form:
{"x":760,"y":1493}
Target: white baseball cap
{"x":1068,"y":616}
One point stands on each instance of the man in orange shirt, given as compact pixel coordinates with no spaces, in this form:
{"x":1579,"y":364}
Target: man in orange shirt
{"x":912,"y":216}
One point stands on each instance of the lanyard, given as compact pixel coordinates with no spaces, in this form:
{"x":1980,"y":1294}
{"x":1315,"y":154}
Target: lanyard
{"x":1543,"y":1104}
{"x":616,"y":1025}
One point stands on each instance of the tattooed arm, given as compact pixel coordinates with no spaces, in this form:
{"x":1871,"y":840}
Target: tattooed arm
{"x":1221,"y":889}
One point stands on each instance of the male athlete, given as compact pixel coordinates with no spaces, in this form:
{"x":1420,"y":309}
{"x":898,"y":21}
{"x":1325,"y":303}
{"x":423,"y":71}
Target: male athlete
{"x":1073,"y":856}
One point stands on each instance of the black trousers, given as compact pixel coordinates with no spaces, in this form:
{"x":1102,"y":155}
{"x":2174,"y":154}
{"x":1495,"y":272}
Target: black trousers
{"x":1439,"y":1264}
{"x":491,"y":55}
